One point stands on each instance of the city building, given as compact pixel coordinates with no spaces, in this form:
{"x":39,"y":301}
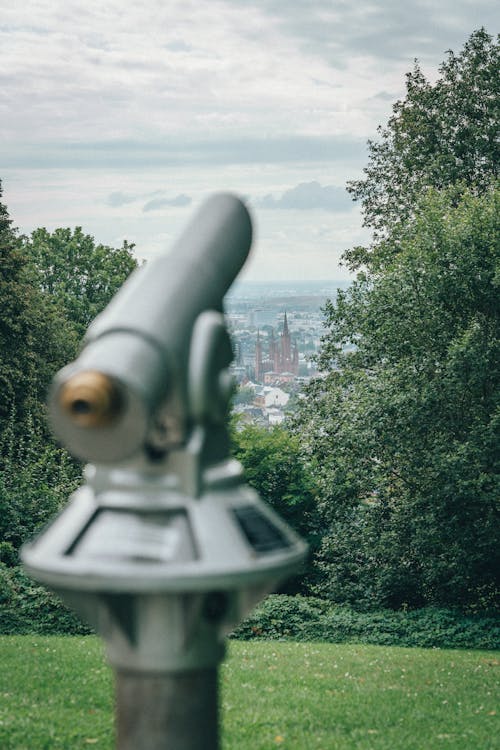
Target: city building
{"x":281,"y":357}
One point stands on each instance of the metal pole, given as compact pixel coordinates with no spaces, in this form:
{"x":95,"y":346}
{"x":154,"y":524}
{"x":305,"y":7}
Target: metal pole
{"x":169,"y":711}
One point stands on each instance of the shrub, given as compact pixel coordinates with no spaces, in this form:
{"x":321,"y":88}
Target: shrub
{"x":309,"y":619}
{"x":28,"y":608}
{"x":8,"y":554}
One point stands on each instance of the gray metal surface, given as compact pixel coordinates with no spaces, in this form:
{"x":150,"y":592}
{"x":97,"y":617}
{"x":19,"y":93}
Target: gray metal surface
{"x":177,"y":711}
{"x":85,"y":548}
{"x":141,"y":561}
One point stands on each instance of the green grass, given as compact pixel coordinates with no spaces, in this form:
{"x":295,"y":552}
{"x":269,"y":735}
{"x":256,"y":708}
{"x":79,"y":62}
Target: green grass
{"x":56,"y":692}
{"x":329,"y":697}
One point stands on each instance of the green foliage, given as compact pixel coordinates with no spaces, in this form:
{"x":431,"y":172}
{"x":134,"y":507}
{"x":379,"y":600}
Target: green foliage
{"x":34,"y":337}
{"x":8,"y":554}
{"x":275,"y":467}
{"x":441,"y":134}
{"x":281,"y":617}
{"x":36,"y":480}
{"x":51,"y":286}
{"x":29,"y":608}
{"x":404,"y":429}
{"x":80,"y":276}
{"x":298,"y":618}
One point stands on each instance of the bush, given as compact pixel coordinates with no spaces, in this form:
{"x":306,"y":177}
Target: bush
{"x":29,"y":608}
{"x":8,"y":554}
{"x":309,"y":619}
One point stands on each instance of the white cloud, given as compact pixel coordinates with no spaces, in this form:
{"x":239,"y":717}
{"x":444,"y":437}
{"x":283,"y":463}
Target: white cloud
{"x":113,"y":71}
{"x":118,"y":199}
{"x":155,"y":204}
{"x":307,"y":196}
{"x":115,"y":113}
{"x":180,"y":151}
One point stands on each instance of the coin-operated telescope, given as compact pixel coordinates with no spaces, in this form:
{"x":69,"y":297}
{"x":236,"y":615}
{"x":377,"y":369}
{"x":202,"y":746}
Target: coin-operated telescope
{"x":164,"y":549}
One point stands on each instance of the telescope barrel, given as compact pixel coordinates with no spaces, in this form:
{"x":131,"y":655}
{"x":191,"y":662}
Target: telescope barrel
{"x":136,"y":352}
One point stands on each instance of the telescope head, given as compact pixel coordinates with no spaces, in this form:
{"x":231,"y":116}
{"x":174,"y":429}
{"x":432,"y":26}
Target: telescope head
{"x":154,"y":364}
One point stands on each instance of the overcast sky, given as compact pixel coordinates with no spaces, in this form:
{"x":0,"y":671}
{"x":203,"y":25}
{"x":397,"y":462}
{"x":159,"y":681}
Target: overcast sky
{"x":120,"y":116}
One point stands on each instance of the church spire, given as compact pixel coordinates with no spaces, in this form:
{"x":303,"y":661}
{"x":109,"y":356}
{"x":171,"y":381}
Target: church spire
{"x":285,"y":345}
{"x":285,"y":326}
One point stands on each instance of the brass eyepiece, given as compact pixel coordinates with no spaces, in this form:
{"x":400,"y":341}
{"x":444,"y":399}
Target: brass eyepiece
{"x":91,"y":399}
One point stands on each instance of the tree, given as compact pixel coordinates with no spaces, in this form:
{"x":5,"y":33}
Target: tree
{"x":404,"y":426}
{"x":51,"y":286}
{"x":275,"y":468}
{"x":34,"y":339}
{"x":79,"y":275}
{"x":440,"y":135}
{"x":404,"y":429}
{"x":36,"y":480}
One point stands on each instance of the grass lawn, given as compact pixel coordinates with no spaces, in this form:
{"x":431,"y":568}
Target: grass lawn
{"x":57,"y":692}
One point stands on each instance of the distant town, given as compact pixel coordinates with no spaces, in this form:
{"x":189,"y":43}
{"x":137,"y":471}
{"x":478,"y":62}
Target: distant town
{"x":276,"y":329}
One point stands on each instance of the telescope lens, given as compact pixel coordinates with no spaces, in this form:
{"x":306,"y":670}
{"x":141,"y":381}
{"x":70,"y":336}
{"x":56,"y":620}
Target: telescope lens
{"x":91,"y":399}
{"x":80,"y":406}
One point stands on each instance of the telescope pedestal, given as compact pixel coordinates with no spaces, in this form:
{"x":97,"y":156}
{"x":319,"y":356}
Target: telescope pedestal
{"x":167,"y":711}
